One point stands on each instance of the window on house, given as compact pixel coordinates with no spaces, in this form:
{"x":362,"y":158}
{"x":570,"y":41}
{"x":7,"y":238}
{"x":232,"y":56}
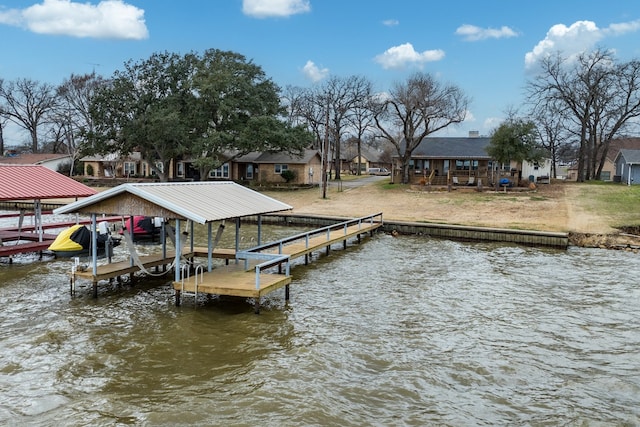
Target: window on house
{"x":145,"y":169}
{"x":180,"y":170}
{"x":221,"y":172}
{"x":129,"y":168}
{"x":280,"y":168}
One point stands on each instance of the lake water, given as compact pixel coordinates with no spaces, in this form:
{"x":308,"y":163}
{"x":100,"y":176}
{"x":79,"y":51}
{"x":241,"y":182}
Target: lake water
{"x":405,"y":331}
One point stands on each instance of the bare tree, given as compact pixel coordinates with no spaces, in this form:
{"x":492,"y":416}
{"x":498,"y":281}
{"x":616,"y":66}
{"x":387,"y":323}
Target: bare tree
{"x":343,"y":96}
{"x":415,"y":109}
{"x":71,"y":119}
{"x":26,"y":103}
{"x":598,"y":97}
{"x":3,"y":123}
{"x":549,"y":120}
{"x":362,"y":122}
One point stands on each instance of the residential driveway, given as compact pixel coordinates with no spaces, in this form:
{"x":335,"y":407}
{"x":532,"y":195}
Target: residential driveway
{"x":354,"y":183}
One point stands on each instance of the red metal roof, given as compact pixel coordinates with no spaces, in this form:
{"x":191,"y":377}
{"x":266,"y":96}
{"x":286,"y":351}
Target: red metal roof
{"x":33,"y":182}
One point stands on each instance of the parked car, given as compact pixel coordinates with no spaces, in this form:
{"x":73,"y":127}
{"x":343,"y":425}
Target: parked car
{"x":379,"y":171}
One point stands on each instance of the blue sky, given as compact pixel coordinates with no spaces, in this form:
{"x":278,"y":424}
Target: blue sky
{"x":487,"y":47}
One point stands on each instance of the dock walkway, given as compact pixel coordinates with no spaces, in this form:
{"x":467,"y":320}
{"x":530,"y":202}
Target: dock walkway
{"x":255,"y":277}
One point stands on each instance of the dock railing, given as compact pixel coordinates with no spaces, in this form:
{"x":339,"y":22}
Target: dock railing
{"x":307,"y":236}
{"x":269,"y":260}
{"x":277,"y":259}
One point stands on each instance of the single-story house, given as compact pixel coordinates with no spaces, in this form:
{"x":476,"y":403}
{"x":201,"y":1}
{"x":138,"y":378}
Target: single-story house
{"x":114,"y":165}
{"x":48,"y":160}
{"x":628,"y":166}
{"x":369,"y":158}
{"x":439,"y":159}
{"x":257,"y":166}
{"x":267,"y":167}
{"x":609,"y":168}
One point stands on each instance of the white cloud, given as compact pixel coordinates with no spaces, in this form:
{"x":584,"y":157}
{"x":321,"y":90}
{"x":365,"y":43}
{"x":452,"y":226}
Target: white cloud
{"x":622,"y":28}
{"x":390,"y":22}
{"x":472,"y":33}
{"x":576,"y":38}
{"x":107,"y":19}
{"x":274,"y":8}
{"x":404,"y":55}
{"x":313,"y":72}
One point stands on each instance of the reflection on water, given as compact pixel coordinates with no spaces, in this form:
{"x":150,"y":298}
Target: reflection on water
{"x":396,"y":331}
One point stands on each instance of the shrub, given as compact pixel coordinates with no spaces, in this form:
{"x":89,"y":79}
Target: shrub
{"x":288,"y":175}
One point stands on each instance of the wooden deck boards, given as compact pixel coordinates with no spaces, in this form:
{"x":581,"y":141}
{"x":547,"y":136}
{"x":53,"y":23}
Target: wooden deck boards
{"x":232,"y":280}
{"x":121,"y":268}
{"x":300,"y":248}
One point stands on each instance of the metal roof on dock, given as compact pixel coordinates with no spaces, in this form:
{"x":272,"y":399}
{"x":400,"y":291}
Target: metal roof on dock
{"x":35,"y":182}
{"x":200,"y":202}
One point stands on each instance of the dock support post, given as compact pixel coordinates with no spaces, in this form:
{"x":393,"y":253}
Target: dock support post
{"x":328,"y":247}
{"x":306,"y":259}
{"x":286,"y":292}
{"x":344,"y":244}
{"x":177,"y":298}
{"x":95,"y":289}
{"x":257,"y":307}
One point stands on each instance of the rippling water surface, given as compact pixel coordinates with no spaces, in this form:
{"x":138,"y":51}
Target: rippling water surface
{"x":395,"y":331}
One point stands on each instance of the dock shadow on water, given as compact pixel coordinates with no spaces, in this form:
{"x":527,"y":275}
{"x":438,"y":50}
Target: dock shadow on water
{"x":395,"y":331}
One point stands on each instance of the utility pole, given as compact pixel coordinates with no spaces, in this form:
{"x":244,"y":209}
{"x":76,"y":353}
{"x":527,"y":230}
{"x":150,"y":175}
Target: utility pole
{"x":325,"y":150}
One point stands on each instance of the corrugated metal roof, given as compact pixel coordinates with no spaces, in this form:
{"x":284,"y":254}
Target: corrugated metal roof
{"x":35,"y":182}
{"x":200,"y":202}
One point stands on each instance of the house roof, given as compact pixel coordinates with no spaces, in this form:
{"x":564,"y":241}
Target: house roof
{"x":630,"y":156}
{"x":36,"y":182}
{"x":31,"y":159}
{"x":622,"y":143}
{"x":350,"y":152}
{"x":453,"y":148}
{"x":113,"y":157}
{"x":268,"y":157}
{"x":200,"y":202}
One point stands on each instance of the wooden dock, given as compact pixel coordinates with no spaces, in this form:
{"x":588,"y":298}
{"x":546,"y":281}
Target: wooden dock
{"x":252,"y":279}
{"x":254,"y":273}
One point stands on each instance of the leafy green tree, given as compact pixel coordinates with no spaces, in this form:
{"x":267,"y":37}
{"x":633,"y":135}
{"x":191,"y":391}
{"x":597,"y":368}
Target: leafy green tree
{"x":208,"y":108}
{"x":147,"y":107}
{"x":240,"y":112}
{"x":515,"y":140}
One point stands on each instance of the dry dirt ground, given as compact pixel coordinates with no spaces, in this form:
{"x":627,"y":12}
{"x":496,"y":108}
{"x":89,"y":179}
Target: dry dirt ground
{"x":551,"y":207}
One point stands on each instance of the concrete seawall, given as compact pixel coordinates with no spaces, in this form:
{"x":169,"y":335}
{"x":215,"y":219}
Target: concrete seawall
{"x":445,"y":231}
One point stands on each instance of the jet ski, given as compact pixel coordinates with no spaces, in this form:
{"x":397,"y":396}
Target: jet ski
{"x":76,"y":241}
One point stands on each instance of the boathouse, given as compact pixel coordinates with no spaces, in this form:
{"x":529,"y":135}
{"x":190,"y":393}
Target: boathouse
{"x":194,"y":202}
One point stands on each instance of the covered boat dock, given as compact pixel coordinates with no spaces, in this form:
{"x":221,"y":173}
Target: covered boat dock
{"x":195,"y":202}
{"x":252,"y":273}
